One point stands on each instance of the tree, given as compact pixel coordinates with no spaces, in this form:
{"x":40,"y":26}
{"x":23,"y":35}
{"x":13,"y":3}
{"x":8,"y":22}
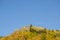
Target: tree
{"x":31,"y":27}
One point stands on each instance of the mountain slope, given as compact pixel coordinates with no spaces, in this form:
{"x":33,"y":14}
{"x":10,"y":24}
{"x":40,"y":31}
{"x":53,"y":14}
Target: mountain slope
{"x":33,"y":33}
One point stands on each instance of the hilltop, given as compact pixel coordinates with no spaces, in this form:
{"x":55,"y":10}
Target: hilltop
{"x":33,"y":33}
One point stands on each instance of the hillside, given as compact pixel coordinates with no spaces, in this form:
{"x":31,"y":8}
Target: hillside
{"x":33,"y":33}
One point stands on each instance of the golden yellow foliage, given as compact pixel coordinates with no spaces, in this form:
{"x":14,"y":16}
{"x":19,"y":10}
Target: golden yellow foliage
{"x":33,"y":33}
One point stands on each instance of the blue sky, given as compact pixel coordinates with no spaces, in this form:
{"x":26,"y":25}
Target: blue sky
{"x":17,"y":13}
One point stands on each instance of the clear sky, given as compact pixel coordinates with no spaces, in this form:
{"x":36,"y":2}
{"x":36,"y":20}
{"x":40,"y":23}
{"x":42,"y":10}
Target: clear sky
{"x":17,"y":13}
